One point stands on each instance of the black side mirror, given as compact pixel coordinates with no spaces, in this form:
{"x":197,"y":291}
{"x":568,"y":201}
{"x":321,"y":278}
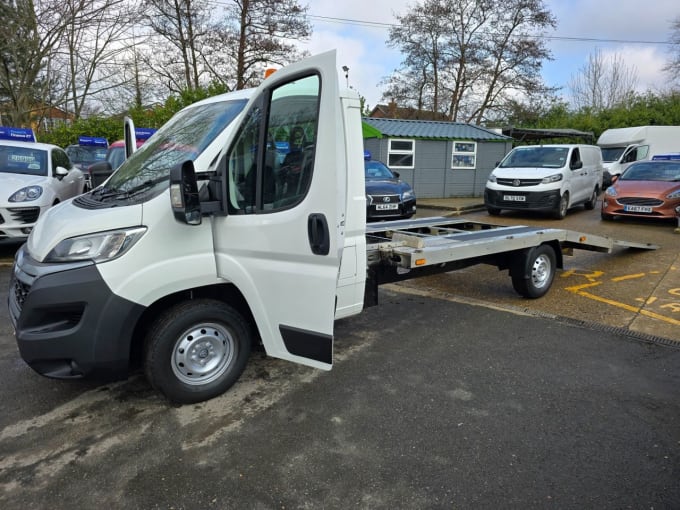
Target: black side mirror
{"x":186,"y":205}
{"x":576,"y":165}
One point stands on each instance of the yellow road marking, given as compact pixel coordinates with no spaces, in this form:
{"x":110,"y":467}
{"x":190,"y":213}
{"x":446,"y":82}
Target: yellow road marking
{"x":628,"y":277}
{"x":635,"y":309}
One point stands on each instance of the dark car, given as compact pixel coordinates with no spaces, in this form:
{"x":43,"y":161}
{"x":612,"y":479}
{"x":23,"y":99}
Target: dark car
{"x":386,"y":196}
{"x":89,"y":150}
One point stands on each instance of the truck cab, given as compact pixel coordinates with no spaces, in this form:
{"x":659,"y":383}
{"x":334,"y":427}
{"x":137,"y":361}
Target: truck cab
{"x":206,"y":242}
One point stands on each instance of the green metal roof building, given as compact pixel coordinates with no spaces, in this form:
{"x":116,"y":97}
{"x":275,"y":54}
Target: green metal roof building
{"x":439,"y":159}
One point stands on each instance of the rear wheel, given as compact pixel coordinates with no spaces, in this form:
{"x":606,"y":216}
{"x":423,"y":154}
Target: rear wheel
{"x":196,"y":350}
{"x":534,"y":271}
{"x":590,"y":204}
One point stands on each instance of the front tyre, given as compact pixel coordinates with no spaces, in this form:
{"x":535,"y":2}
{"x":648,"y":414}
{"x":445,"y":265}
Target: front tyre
{"x":534,"y":271}
{"x":196,"y":350}
{"x":560,"y":211}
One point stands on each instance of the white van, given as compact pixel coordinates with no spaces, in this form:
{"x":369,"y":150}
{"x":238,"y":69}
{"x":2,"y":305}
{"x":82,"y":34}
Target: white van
{"x":545,"y":178}
{"x":623,"y":146}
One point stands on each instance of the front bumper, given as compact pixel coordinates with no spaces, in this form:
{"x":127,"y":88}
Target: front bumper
{"x":17,"y":222}
{"x":67,"y":321}
{"x":532,"y":201}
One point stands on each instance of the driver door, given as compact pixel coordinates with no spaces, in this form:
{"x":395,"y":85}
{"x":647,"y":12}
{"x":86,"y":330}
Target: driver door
{"x":280,"y":243}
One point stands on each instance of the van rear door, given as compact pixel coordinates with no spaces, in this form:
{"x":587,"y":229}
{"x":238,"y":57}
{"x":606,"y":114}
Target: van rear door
{"x":280,"y":243}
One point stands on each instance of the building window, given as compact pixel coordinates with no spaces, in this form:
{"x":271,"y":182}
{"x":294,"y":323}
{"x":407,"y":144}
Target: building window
{"x":401,"y":153}
{"x":464,"y":155}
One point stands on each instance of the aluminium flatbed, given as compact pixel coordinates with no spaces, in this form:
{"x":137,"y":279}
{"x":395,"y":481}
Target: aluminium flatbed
{"x":403,"y":249}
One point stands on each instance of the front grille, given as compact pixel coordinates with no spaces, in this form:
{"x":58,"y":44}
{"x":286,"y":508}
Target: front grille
{"x":21,"y":290}
{"x":649,"y":202}
{"x":25,"y":214}
{"x":522,"y":182}
{"x":384,"y":199}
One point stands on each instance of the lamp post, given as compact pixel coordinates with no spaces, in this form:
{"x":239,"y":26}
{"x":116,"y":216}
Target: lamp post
{"x":346,"y":69}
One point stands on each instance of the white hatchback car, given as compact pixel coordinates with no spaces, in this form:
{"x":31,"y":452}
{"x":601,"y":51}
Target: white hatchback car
{"x":33,"y":177}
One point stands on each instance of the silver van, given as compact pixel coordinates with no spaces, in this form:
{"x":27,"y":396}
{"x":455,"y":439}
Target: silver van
{"x":551,"y":178}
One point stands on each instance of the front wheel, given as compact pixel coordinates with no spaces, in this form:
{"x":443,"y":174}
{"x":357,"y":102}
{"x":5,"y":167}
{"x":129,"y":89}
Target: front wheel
{"x":493,"y":211}
{"x":534,"y":271}
{"x":196,"y":350}
{"x":561,"y":211}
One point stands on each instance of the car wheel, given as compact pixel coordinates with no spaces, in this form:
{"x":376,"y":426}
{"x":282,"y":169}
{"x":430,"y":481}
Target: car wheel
{"x":493,"y":211}
{"x":196,"y":350}
{"x":590,"y":204}
{"x":533,"y":271}
{"x":562,"y":207}
{"x":606,"y":217}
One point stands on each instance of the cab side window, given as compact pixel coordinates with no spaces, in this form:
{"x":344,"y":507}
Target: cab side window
{"x":271,"y":162}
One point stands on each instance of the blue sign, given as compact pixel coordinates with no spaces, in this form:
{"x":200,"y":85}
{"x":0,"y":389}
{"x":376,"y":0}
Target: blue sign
{"x":674,"y":156}
{"x":92,"y":141}
{"x":144,"y":133}
{"x":367,"y":155}
{"x":17,"y":134}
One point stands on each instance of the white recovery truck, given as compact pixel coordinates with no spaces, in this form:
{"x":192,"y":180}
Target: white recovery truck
{"x":210,"y":239}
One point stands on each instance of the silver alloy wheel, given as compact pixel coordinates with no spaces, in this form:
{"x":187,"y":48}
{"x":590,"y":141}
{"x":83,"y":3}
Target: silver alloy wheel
{"x":541,"y":270}
{"x":203,"y":353}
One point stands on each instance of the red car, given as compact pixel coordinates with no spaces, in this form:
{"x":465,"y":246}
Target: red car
{"x":646,"y":189}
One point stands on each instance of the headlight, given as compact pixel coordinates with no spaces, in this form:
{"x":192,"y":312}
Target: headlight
{"x":492,"y":178}
{"x":675,"y":194}
{"x":99,"y":247}
{"x":611,"y":191}
{"x":369,"y":199}
{"x":407,"y":194}
{"x":551,"y":178}
{"x":27,"y":194}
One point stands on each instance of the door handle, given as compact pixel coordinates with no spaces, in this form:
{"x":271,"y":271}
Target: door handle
{"x":318,"y":233}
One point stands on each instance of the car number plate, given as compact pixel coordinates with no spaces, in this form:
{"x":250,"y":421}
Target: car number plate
{"x":514,"y":198}
{"x":637,"y":208}
{"x":386,"y":207}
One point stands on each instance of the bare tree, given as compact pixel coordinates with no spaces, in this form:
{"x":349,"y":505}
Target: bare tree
{"x":32,"y":29}
{"x":673,"y":65}
{"x":603,"y":83}
{"x":181,"y":27}
{"x":254,"y":34}
{"x":467,"y":59}
{"x":96,"y":35}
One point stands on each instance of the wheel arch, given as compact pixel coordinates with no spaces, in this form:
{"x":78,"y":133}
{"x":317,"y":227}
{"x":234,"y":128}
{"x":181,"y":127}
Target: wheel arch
{"x":524,"y":269}
{"x":226,"y":292}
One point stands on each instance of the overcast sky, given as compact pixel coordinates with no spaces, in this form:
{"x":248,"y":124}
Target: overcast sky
{"x":588,"y":23}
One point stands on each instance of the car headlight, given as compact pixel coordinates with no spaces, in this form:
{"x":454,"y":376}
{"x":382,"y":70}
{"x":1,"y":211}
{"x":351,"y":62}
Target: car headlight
{"x":99,"y":247}
{"x":492,"y":178}
{"x":27,"y":194}
{"x":611,"y":191}
{"x":369,"y":199}
{"x":551,"y":178}
{"x":407,"y":194}
{"x":675,"y":194}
